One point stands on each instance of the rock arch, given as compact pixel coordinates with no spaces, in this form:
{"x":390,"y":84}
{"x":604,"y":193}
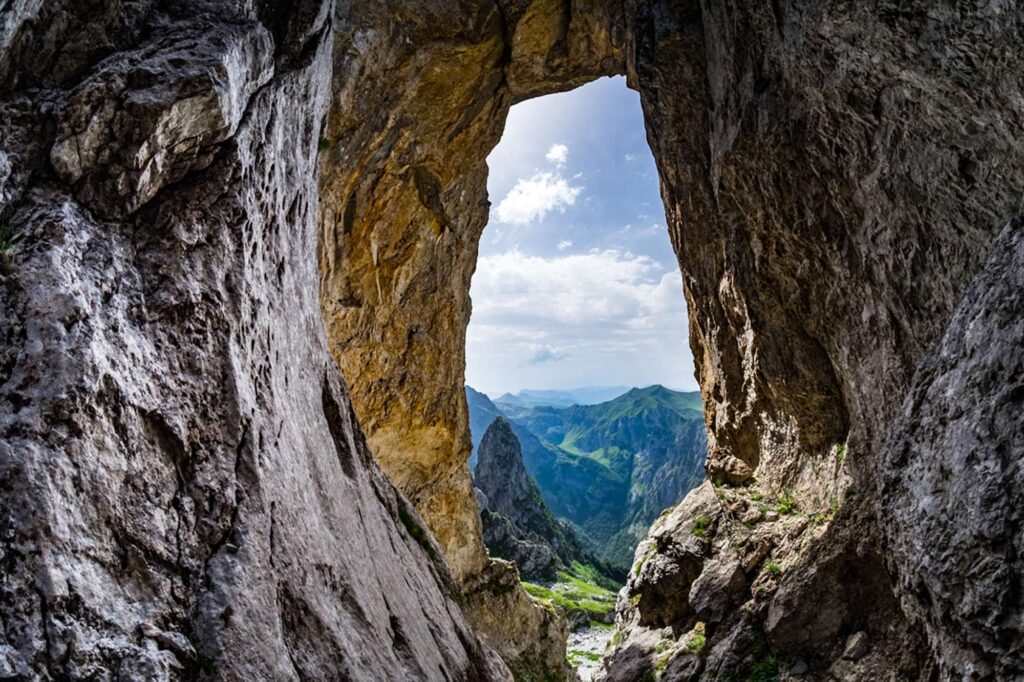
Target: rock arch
{"x":186,"y":489}
{"x":830,"y":193}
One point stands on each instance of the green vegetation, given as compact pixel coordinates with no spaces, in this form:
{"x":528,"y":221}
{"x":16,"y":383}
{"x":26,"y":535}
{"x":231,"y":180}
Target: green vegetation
{"x":575,"y":593}
{"x":696,"y":643}
{"x":417,"y":532}
{"x":773,"y":568}
{"x":590,"y":574}
{"x":575,"y":656}
{"x":840,"y":453}
{"x":786,"y":504}
{"x":701,"y":525}
{"x":648,"y":553}
{"x":765,"y":667}
{"x":8,"y":239}
{"x":323,"y":144}
{"x":592,"y":450}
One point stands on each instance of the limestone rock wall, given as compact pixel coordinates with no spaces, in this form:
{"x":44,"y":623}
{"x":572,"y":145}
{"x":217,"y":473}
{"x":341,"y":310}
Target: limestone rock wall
{"x":951,"y":483}
{"x":421,"y":95}
{"x":184,"y":490}
{"x":834,"y":176}
{"x":421,"y":92}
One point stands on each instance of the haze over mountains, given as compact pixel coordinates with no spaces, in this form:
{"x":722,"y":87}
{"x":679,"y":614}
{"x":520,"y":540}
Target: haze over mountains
{"x":590,"y":395}
{"x":608,"y":468}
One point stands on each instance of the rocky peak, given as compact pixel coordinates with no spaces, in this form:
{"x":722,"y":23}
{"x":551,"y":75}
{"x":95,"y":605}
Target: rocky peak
{"x":501,"y":475}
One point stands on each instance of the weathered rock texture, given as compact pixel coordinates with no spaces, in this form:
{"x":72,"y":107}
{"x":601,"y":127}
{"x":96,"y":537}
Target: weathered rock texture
{"x":184,"y":488}
{"x":834,"y":174}
{"x":184,"y":491}
{"x":531,"y":639}
{"x":952,"y":477}
{"x":842,"y":187}
{"x":421,"y":94}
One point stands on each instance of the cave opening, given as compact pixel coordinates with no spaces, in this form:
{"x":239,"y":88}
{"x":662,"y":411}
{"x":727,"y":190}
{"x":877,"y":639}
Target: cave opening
{"x":584,"y":411}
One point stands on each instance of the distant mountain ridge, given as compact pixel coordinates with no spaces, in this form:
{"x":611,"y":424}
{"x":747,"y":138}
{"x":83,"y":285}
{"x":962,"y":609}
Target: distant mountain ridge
{"x":587,"y":395}
{"x":608,"y":468}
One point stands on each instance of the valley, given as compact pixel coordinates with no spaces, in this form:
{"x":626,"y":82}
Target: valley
{"x":607,"y":469}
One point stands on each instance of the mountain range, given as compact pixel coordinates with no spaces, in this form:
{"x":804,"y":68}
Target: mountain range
{"x":590,"y":395}
{"x":610,"y":468}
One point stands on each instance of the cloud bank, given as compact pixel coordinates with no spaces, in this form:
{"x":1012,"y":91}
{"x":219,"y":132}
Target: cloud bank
{"x":533,"y":198}
{"x":603,"y":316}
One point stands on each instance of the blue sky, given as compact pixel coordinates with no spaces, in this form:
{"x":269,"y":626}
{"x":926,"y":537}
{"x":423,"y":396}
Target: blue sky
{"x":576,"y":283}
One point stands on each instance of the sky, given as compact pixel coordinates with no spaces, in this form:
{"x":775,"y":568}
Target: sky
{"x":576,"y":283}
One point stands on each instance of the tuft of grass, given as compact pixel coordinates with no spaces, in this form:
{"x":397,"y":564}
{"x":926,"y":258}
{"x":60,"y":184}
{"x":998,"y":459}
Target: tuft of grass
{"x":773,"y":568}
{"x":786,"y":504}
{"x":575,"y":656}
{"x":418,"y":533}
{"x":323,"y":144}
{"x":9,"y":239}
{"x":765,"y":667}
{"x":757,"y":497}
{"x":840,"y":453}
{"x":701,"y":525}
{"x":643,"y":560}
{"x":696,"y":641}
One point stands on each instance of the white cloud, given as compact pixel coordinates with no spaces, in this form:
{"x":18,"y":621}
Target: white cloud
{"x":558,"y":154}
{"x":599,"y":286}
{"x":564,"y":244}
{"x":630,"y":157}
{"x":533,"y":198}
{"x":598,"y":317}
{"x":547,"y":354}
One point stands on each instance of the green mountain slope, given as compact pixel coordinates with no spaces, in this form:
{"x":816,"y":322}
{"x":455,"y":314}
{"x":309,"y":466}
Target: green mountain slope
{"x":611,"y":468}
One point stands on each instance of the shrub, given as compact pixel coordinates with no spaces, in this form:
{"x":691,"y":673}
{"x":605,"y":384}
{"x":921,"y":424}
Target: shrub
{"x":773,"y":568}
{"x":840,"y":453}
{"x":417,"y":532}
{"x":701,"y":525}
{"x":786,"y":504}
{"x":8,"y":239}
